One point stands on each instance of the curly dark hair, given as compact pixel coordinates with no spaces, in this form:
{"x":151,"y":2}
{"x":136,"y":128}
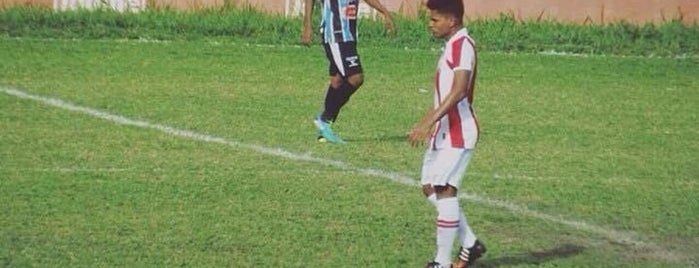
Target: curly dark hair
{"x":450,"y":7}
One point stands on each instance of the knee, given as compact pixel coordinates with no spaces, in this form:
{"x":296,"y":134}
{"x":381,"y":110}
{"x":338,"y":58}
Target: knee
{"x":356,"y":80}
{"x":445,"y":191}
{"x":336,"y":81}
{"x":427,"y":189}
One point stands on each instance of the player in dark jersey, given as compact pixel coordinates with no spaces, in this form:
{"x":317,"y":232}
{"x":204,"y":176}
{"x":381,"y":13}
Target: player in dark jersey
{"x":338,"y":28}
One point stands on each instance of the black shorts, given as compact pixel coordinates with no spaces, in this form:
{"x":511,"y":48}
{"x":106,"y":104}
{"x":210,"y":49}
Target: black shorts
{"x":343,"y":58}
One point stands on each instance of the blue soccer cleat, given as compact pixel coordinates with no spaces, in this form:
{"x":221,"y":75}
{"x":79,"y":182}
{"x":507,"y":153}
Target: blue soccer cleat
{"x":325,"y":132}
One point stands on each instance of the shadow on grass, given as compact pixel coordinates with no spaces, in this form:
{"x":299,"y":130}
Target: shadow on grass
{"x":533,"y":257}
{"x":393,"y":138}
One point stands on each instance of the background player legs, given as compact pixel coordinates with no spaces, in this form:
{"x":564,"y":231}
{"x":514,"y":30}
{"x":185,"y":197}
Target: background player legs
{"x":339,"y":92}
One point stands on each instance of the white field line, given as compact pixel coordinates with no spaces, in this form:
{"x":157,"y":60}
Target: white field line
{"x":72,"y":170}
{"x":512,"y":177}
{"x":626,"y":238}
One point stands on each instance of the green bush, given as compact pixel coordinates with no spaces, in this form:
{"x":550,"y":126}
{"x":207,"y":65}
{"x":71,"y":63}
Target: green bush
{"x":504,"y":33}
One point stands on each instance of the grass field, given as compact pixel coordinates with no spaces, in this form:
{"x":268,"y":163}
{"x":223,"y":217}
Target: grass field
{"x":583,"y":161}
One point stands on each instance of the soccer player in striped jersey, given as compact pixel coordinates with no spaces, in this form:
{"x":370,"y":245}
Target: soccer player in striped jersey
{"x":451,"y":130}
{"x":338,"y":28}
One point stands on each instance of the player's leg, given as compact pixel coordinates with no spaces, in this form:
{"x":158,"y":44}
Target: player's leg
{"x":427,"y":177}
{"x":443,"y":171}
{"x":427,"y":189}
{"x":334,"y":99}
{"x":324,"y":119}
{"x":346,"y":77}
{"x":471,"y":248}
{"x":436,"y":167}
{"x":465,"y":234}
{"x":340,"y":95}
{"x":447,"y":222}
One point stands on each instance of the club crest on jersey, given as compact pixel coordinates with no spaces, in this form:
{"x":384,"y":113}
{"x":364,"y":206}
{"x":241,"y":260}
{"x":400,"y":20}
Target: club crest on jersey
{"x":352,"y":61}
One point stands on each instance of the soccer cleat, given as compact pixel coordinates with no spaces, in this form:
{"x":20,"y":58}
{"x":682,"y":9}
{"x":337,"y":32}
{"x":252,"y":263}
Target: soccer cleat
{"x":325,"y":131}
{"x":468,"y":256}
{"x":435,"y":264}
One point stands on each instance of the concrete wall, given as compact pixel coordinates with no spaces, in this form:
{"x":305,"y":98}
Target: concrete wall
{"x":42,"y":3}
{"x":579,"y":11}
{"x":589,"y":11}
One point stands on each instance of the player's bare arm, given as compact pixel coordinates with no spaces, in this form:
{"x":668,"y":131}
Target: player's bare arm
{"x":420,"y":133}
{"x":388,"y":20}
{"x":307,"y":34}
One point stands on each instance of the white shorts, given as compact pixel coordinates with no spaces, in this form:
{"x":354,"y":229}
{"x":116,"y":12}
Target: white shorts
{"x":445,"y":166}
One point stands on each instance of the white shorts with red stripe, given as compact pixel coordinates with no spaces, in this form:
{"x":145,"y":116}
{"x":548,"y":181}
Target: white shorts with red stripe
{"x":445,"y":166}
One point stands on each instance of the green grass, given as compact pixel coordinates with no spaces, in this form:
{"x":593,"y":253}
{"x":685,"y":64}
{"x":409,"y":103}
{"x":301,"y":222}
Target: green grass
{"x":608,"y":141}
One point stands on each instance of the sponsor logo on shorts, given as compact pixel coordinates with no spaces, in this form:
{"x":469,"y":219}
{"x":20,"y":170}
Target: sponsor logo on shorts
{"x":352,"y":61}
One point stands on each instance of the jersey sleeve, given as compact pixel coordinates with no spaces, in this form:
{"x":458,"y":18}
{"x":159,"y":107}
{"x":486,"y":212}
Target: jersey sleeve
{"x":463,"y":55}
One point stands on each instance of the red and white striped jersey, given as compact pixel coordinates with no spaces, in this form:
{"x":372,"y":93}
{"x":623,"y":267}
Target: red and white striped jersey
{"x":459,"y":127}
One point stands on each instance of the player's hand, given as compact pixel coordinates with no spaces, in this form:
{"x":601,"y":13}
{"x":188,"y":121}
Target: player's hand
{"x":306,"y":37}
{"x":418,"y":136}
{"x":390,"y":26}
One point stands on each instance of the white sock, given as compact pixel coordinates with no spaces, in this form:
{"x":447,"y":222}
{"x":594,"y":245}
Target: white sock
{"x":466,"y":236}
{"x":447,"y":227}
{"x":433,"y":199}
